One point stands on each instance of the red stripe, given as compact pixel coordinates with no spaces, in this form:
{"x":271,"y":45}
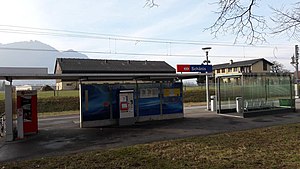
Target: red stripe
{"x":183,"y":68}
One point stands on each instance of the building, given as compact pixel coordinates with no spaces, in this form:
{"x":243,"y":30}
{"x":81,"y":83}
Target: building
{"x":24,"y":87}
{"x":248,"y":66}
{"x":104,"y":66}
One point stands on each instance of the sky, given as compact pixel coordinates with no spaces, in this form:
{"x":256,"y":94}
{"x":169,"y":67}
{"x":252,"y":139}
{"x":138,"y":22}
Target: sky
{"x":117,"y":26}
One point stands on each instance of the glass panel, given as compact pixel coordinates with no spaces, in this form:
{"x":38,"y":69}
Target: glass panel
{"x":230,"y":88}
{"x":259,"y":92}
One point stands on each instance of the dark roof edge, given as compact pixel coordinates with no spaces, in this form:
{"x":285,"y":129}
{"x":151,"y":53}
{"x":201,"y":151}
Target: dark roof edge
{"x":227,"y":65}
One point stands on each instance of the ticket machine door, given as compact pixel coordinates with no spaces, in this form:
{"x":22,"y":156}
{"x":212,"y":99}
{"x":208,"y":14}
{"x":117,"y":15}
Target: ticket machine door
{"x":27,"y":108}
{"x":126,"y":107}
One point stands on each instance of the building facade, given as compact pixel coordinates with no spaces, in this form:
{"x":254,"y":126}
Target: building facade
{"x":249,"y":66}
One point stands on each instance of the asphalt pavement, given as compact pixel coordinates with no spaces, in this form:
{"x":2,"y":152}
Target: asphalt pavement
{"x":62,"y":135}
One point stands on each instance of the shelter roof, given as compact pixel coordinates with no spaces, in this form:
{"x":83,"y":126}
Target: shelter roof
{"x":81,"y":66}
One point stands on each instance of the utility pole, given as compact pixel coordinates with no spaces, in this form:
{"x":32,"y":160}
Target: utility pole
{"x":295,"y":63}
{"x":206,"y":49}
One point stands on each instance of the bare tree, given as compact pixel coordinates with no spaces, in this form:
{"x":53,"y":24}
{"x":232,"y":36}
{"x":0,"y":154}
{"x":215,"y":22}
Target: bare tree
{"x":238,"y":18}
{"x":278,"y":68}
{"x":287,"y":21}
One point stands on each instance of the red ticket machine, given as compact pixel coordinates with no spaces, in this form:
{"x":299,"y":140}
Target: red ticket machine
{"x":27,"y":103}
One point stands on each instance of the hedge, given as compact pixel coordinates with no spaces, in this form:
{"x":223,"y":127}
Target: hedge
{"x":58,"y":104}
{"x":195,"y":95}
{"x":53,"y":104}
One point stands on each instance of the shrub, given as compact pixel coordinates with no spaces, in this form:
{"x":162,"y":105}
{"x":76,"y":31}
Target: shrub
{"x":195,"y":95}
{"x":58,"y":104}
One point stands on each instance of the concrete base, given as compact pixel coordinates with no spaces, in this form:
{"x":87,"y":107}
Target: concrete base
{"x":160,"y":117}
{"x":268,"y":112}
{"x":257,"y":113}
{"x":127,"y":121}
{"x":98,"y":123}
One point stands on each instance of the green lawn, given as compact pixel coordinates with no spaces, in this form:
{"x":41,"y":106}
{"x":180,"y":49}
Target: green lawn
{"x":273,"y":147}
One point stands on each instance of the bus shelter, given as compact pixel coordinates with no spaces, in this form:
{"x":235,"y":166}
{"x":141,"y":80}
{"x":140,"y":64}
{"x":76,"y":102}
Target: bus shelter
{"x":252,"y":94}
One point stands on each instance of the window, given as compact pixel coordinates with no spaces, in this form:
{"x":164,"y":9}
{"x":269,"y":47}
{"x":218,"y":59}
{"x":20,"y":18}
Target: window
{"x":235,"y":69}
{"x":242,"y":69}
{"x":223,"y":70}
{"x":218,"y":70}
{"x":247,"y":69}
{"x":265,"y":66}
{"x":229,"y":69}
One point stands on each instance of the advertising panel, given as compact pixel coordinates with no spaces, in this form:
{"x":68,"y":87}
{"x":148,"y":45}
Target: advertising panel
{"x":172,"y":99}
{"x":149,"y":100}
{"x":95,"y":102}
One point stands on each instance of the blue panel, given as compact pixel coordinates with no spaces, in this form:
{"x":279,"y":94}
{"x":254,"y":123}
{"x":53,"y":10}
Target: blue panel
{"x":115,"y":104}
{"x":201,"y":68}
{"x":173,"y":104}
{"x":98,"y":106}
{"x":149,"y":106}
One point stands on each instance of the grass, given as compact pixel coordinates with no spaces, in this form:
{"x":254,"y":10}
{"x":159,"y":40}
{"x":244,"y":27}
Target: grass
{"x":190,"y":104}
{"x":272,"y":147}
{"x":62,"y":113}
{"x":64,"y":93}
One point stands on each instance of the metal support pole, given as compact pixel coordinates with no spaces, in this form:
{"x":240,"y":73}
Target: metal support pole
{"x":207,"y":84}
{"x":207,"y":92}
{"x":206,"y":49}
{"x":9,"y":113}
{"x":295,"y":63}
{"x":297,"y":74}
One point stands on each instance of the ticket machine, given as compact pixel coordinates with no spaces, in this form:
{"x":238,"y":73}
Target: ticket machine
{"x":27,"y":112}
{"x":126,"y":107}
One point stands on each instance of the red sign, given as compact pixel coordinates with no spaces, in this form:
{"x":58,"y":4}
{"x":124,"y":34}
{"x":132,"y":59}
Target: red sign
{"x":183,"y":68}
{"x":27,"y":103}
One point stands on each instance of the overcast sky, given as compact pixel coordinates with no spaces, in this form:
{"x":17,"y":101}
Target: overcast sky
{"x":172,"y":19}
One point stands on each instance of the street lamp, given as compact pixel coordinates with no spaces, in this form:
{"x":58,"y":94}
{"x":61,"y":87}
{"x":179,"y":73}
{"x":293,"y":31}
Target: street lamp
{"x":206,"y":50}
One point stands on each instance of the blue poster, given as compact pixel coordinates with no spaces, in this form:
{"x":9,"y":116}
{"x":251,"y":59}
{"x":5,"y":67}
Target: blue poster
{"x":95,"y":102}
{"x":172,"y":99}
{"x":149,"y":106}
{"x":149,"y":99}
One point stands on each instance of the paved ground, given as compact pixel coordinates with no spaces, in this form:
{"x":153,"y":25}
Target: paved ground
{"x":61,"y":135}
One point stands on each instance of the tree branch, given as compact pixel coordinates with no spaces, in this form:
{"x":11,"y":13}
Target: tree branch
{"x":287,"y":21}
{"x":238,"y":19}
{"x":150,"y":4}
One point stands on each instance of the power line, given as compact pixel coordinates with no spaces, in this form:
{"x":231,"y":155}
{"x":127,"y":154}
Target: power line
{"x":79,"y":34}
{"x":129,"y":53}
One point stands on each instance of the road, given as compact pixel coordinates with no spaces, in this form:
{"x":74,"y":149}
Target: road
{"x":71,"y":121}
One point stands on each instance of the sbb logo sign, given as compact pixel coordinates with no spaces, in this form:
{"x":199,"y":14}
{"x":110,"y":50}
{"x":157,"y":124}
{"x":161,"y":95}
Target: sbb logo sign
{"x":183,"y":68}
